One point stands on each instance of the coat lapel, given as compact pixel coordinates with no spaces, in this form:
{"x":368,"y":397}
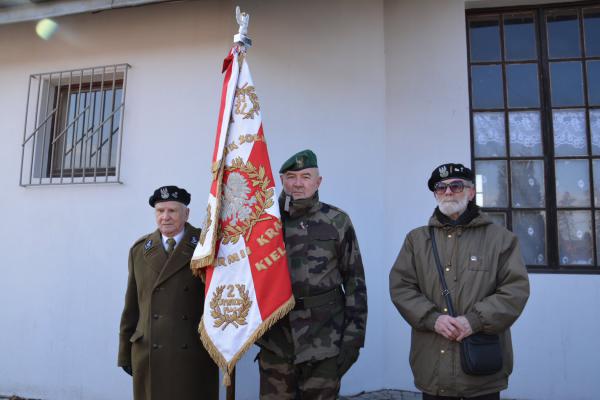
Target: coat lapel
{"x":181,"y":255}
{"x":154,"y":252}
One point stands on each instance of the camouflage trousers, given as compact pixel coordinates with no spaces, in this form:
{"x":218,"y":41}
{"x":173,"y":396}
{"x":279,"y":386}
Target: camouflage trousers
{"x":282,"y":380}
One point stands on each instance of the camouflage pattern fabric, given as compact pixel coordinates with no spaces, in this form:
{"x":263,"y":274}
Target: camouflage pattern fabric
{"x":282,"y":380}
{"x":323,"y":255}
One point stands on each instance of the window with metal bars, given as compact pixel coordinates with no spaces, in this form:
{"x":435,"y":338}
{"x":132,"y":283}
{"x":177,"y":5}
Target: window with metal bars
{"x":73,"y":126}
{"x":534,"y":75}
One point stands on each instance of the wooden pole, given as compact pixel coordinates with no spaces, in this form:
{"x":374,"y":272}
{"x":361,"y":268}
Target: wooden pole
{"x":231,"y":388}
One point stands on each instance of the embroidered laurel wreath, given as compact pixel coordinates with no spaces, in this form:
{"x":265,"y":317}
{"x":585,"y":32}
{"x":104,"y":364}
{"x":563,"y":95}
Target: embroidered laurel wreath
{"x":244,"y":211}
{"x":230,"y":310}
{"x":241,"y":103}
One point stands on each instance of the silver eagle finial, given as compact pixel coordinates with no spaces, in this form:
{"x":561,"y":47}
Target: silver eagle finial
{"x":242,"y":35}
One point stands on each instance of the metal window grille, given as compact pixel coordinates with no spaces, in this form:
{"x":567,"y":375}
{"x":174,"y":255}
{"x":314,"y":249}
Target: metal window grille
{"x":73,"y":126}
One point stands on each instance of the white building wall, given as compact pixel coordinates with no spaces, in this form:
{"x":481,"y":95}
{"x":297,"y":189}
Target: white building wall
{"x":377,"y":88}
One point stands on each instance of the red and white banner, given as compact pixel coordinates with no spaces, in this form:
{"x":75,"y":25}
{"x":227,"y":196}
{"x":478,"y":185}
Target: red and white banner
{"x":241,"y":246}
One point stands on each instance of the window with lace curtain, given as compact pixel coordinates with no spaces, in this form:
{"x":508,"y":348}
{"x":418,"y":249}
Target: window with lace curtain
{"x":534,"y":75}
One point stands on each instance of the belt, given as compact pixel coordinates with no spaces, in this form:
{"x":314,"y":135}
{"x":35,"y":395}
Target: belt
{"x":334,"y":296}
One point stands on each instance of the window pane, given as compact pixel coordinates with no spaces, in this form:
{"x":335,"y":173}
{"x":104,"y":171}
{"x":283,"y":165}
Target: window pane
{"x":572,"y":183}
{"x":527,"y":180}
{"x":596,"y":173}
{"x":522,"y":85}
{"x":595,"y":127}
{"x":490,"y":140}
{"x":593,"y":76}
{"x":485,"y":40}
{"x":525,"y":133}
{"x":575,"y":245}
{"x":591,"y":24}
{"x":569,"y":132}
{"x":498,"y":218}
{"x":530,"y":228}
{"x":566,"y":84}
{"x":519,"y":38}
{"x":491,"y":180}
{"x":563,"y":35}
{"x":486,"y":82}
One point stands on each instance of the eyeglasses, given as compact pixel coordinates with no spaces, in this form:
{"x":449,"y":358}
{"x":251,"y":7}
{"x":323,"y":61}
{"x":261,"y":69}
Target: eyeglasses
{"x":455,"y":187}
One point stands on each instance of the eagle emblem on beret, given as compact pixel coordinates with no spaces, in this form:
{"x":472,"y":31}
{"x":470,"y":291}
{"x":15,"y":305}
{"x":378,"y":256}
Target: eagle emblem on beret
{"x":443,"y":171}
{"x":164,"y":193}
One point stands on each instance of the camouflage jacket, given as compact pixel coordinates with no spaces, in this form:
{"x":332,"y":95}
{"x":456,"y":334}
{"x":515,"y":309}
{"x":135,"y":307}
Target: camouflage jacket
{"x":323,"y":255}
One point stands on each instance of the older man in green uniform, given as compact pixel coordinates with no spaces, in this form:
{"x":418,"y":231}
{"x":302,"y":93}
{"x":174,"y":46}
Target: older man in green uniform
{"x":306,"y":353}
{"x":158,"y":342}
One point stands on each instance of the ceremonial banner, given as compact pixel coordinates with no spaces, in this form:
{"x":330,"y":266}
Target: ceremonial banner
{"x":241,"y":248}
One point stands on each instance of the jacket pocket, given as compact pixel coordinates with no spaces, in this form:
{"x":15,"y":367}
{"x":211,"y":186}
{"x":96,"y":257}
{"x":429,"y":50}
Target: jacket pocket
{"x":137,"y":335}
{"x":476,"y":263}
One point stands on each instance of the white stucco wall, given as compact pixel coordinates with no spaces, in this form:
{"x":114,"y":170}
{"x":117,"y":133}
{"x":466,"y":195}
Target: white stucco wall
{"x":377,"y":88}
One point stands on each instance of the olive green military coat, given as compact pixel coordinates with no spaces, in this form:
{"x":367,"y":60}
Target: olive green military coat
{"x":158,"y":335}
{"x":488,"y":283}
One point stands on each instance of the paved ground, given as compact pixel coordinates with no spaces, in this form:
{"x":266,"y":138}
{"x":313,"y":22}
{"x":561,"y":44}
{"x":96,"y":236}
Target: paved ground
{"x":384,"y":395}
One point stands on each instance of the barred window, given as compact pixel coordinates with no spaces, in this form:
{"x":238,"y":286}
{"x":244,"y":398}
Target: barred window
{"x":534,"y":75}
{"x":73,"y":126}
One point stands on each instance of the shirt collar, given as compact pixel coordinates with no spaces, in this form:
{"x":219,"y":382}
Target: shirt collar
{"x":177,"y":238}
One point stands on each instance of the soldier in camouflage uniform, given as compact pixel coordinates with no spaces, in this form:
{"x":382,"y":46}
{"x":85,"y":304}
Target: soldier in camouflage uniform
{"x":305,"y":355}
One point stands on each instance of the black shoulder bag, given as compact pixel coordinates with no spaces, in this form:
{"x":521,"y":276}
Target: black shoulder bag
{"x":480,"y":353}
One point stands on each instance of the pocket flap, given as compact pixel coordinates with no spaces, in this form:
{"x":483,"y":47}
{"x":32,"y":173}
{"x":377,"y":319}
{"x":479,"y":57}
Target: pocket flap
{"x":137,"y":335}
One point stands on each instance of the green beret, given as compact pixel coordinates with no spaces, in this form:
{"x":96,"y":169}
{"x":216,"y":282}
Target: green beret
{"x":301,"y":160}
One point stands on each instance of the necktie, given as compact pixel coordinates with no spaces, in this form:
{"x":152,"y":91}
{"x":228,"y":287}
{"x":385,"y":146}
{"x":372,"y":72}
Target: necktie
{"x":170,"y":245}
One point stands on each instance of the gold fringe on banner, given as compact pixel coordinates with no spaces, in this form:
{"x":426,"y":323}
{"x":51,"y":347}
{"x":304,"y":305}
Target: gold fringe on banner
{"x":218,"y":358}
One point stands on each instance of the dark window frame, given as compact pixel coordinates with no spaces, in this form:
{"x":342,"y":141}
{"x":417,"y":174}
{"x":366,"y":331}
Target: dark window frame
{"x":545,"y":108}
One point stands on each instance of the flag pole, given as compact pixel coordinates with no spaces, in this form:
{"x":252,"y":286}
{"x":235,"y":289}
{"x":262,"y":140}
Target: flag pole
{"x":241,"y":38}
{"x":230,"y":393}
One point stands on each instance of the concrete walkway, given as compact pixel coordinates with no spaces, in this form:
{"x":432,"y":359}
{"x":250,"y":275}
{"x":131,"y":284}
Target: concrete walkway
{"x":384,"y":394}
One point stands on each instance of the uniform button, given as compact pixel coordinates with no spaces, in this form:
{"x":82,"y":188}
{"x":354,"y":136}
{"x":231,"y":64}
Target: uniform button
{"x":155,"y":346}
{"x":184,"y":346}
{"x":442,"y":390}
{"x":184,"y":317}
{"x":442,"y":351}
{"x":155,"y":316}
{"x":445,"y":310}
{"x":447,"y":269}
{"x":449,"y":236}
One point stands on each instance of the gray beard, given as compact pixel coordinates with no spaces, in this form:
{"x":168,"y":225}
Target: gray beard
{"x":449,"y":208}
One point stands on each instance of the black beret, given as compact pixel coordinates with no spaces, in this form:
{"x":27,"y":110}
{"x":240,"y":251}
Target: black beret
{"x":449,"y":171}
{"x":170,"y":193}
{"x":299,"y":161}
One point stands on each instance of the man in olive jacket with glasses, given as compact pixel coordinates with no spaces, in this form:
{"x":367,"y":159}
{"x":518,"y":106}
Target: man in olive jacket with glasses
{"x":487,"y":281}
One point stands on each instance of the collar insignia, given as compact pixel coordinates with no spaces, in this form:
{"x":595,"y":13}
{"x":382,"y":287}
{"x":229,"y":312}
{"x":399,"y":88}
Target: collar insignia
{"x":194,"y":240}
{"x":148,"y":244}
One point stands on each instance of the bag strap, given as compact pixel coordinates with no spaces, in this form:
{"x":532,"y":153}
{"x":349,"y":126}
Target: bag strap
{"x":438,"y":264}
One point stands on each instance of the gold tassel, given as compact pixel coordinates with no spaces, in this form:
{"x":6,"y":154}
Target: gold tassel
{"x":226,"y":379}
